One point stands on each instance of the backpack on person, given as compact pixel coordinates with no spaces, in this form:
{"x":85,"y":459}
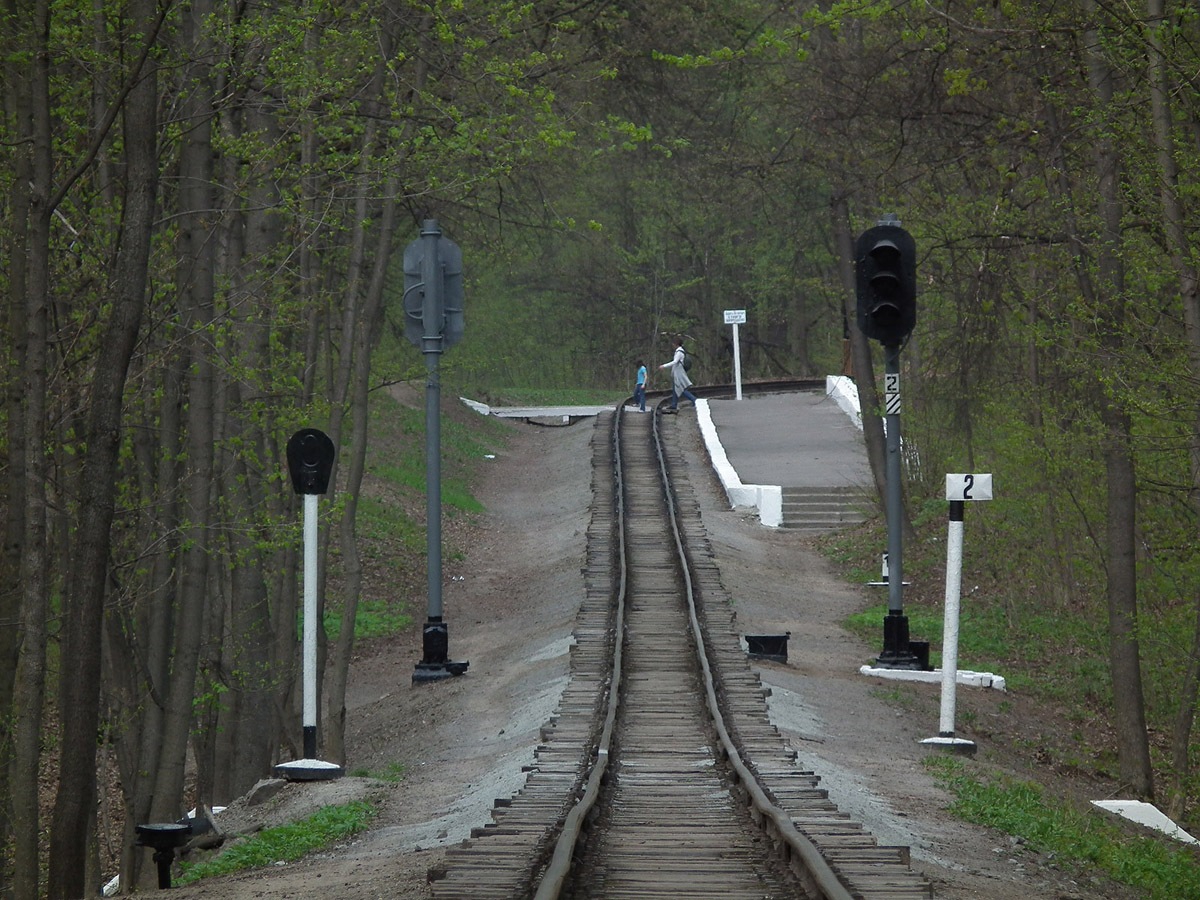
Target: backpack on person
{"x":687,"y":361}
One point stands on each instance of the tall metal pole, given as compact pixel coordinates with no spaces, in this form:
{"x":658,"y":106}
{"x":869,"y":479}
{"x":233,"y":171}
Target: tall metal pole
{"x":895,"y":518}
{"x":435,"y":638}
{"x":896,"y":650}
{"x":435,"y":641}
{"x":432,"y":348}
{"x":946,"y":739}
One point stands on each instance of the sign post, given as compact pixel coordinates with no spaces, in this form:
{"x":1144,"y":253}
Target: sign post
{"x":736,"y":317}
{"x":433,"y":321}
{"x":959,"y":489}
{"x":310,"y":455}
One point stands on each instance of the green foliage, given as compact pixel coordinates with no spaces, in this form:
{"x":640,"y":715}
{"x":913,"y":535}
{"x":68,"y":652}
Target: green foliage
{"x":285,"y":843}
{"x":1164,"y":870}
{"x":373,"y":618}
{"x":382,"y":522}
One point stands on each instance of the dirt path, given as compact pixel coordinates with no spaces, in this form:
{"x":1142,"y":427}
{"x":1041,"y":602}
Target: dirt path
{"x":510,"y":608}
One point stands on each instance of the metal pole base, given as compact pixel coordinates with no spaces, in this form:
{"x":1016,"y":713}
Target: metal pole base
{"x":434,"y":665}
{"x":425,"y":672}
{"x":898,"y":652}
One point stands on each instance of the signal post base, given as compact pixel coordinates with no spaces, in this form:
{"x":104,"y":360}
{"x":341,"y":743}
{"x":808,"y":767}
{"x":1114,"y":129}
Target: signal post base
{"x":434,"y":664}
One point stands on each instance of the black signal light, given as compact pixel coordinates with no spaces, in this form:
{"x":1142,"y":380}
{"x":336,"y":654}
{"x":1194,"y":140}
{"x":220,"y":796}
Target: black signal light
{"x":886,"y":283}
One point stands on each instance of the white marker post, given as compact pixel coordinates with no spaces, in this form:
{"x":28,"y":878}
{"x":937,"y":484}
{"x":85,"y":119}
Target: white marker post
{"x":310,"y":456}
{"x":959,"y":489}
{"x":736,"y":317}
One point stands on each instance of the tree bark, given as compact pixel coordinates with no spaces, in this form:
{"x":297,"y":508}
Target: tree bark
{"x":196,"y":252}
{"x":84,"y":599}
{"x":1179,"y":246}
{"x":16,"y":249}
{"x":29,"y":684}
{"x":1129,"y":720}
{"x":366,"y":331}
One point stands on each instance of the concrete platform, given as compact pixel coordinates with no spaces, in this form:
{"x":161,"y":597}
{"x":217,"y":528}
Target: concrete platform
{"x":797,"y":455}
{"x":801,"y":439}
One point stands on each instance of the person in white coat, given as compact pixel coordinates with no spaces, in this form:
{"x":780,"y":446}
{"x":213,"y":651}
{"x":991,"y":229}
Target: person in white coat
{"x":679,"y":376}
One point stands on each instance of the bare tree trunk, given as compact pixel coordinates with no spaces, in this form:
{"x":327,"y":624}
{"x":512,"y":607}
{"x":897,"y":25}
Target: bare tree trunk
{"x":250,"y":720}
{"x":16,"y":251}
{"x":30,"y":678}
{"x":140,"y":643}
{"x":331,"y":731}
{"x":359,"y":334}
{"x":196,"y":258}
{"x":367,"y":328}
{"x":1180,"y":248}
{"x":84,"y":602}
{"x":1129,"y":719}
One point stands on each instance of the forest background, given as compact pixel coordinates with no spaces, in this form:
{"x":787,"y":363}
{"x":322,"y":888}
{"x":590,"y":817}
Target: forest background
{"x":204,"y":210}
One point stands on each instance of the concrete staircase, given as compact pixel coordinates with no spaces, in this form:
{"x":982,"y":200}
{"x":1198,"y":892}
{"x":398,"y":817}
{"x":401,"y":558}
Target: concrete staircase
{"x":818,"y":509}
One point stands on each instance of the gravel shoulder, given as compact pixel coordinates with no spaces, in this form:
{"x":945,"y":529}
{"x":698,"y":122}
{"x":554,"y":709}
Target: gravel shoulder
{"x":510,"y":605}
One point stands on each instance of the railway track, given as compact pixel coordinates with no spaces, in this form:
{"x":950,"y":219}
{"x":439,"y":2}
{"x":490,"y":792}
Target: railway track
{"x":661,"y":775}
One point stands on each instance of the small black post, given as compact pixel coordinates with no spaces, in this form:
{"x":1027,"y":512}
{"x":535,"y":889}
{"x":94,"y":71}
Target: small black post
{"x":163,"y":838}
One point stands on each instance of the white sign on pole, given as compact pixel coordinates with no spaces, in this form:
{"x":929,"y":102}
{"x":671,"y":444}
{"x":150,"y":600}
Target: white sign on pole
{"x":736,"y":317}
{"x":969,"y":487}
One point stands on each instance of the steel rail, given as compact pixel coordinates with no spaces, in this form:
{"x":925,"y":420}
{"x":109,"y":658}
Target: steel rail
{"x":813,"y":869}
{"x":558,"y":869}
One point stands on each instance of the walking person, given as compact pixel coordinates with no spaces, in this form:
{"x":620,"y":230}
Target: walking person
{"x":639,"y":389}
{"x":679,"y":376}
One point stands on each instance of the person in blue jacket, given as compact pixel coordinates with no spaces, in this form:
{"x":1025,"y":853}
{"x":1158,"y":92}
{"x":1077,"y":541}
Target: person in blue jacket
{"x":639,"y":389}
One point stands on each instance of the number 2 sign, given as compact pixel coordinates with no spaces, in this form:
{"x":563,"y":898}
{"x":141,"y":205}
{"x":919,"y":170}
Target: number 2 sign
{"x":968,"y":487}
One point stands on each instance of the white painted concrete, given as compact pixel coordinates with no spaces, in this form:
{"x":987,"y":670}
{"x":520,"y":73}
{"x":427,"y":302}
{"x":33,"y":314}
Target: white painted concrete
{"x":767,"y":499}
{"x":1148,"y":815}
{"x":845,"y":393}
{"x":963,"y":676}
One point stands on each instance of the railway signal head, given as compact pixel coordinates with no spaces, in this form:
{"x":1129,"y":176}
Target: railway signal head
{"x":885,"y":272}
{"x":310,"y":456}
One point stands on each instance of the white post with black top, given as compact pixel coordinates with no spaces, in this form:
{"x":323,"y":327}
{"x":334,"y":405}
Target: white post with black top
{"x":959,"y":489}
{"x":310,"y":458}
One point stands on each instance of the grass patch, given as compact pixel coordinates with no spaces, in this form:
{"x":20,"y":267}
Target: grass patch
{"x":286,"y":843}
{"x":379,"y":521}
{"x":1019,"y":808}
{"x":398,"y":454}
{"x":411,"y":475}
{"x":392,"y":773}
{"x":373,"y":618}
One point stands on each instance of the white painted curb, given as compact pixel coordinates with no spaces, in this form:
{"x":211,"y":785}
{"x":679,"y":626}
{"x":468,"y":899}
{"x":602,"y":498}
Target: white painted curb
{"x":766,"y":498}
{"x":963,"y":676}
{"x":845,"y":393}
